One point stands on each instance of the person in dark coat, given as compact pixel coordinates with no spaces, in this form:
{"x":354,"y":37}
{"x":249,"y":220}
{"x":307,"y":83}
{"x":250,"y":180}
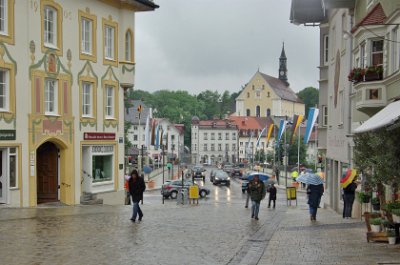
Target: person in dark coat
{"x":314,"y":198}
{"x":257,"y":192}
{"x":349,"y":194}
{"x":272,"y":195}
{"x":136,"y":189}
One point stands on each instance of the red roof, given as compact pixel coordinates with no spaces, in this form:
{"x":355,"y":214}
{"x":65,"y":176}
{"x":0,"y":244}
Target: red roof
{"x":375,"y":16}
{"x":252,"y":123}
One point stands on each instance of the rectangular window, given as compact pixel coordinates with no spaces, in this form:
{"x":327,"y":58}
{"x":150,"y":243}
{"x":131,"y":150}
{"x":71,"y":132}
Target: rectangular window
{"x":226,"y":136}
{"x":395,"y":50}
{"x":205,"y":147}
{"x":205,"y":136}
{"x":226,"y":147}
{"x":109,"y":42}
{"x":362,"y":55}
{"x":324,"y":115}
{"x":50,"y":26}
{"x":3,"y":17}
{"x":241,"y":144}
{"x":219,"y":136}
{"x":212,"y":147}
{"x":212,"y":136}
{"x":51,"y":97}
{"x":4,"y":90}
{"x":233,"y":147}
{"x":13,"y":167}
{"x":373,"y":94}
{"x":128,"y":46}
{"x":109,"y":102}
{"x":87,"y":99}
{"x":135,"y":137}
{"x":102,"y":168}
{"x":219,"y":147}
{"x":377,"y":52}
{"x":326,"y":49}
{"x":195,"y":147}
{"x":87,"y":29}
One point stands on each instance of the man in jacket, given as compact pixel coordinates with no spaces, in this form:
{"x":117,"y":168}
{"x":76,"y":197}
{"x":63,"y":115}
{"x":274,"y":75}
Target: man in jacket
{"x":136,"y":189}
{"x":257,"y":192}
{"x":272,"y":195}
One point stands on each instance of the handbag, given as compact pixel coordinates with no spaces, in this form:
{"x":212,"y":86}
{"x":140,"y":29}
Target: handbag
{"x":127,"y":199}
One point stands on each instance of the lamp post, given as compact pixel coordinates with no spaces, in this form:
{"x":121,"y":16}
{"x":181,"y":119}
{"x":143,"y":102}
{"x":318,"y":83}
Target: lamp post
{"x":163,"y":164}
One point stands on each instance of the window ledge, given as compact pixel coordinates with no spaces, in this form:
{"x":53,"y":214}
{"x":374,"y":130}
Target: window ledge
{"x":52,"y":115}
{"x":51,"y":46}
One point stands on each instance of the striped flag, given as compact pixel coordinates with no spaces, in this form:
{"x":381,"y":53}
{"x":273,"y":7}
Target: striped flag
{"x":259,"y":137}
{"x":312,"y":117}
{"x":153,"y":131}
{"x":282,"y":127}
{"x":147,"y":132}
{"x":270,"y":129}
{"x":157,"y":141}
{"x":297,"y":119}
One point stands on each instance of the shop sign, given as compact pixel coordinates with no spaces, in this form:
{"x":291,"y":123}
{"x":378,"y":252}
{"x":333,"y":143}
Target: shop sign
{"x":7,"y":135}
{"x":101,"y":149}
{"x":99,"y":136}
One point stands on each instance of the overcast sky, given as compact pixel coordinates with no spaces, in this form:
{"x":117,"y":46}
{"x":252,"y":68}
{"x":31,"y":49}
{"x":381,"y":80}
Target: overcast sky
{"x":196,"y":45}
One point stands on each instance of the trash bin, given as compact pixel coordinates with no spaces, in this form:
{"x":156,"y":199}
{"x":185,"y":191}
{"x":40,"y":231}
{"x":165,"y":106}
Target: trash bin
{"x":291,"y":194}
{"x":194,"y":193}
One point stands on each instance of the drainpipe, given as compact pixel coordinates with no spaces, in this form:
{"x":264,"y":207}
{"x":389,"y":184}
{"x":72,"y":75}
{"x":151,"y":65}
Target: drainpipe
{"x":349,"y":97}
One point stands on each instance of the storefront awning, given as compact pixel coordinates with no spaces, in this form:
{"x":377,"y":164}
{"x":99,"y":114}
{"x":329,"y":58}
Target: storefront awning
{"x":385,"y":117}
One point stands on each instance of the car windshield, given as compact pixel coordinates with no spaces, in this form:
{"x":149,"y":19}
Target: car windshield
{"x":221,"y":174}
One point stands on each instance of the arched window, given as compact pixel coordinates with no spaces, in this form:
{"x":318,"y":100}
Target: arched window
{"x":128,"y":46}
{"x":248,"y":112}
{"x":258,"y":110}
{"x":268,"y":112}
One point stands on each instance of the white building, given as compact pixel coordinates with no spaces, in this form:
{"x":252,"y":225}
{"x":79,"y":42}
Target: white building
{"x":64,"y":66}
{"x":214,"y":141}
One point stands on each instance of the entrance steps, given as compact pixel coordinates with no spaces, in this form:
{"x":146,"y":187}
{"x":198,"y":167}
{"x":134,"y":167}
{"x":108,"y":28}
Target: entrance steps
{"x":88,"y":198}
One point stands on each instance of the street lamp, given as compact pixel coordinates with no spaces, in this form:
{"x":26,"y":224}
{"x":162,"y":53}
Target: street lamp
{"x":164,"y":138}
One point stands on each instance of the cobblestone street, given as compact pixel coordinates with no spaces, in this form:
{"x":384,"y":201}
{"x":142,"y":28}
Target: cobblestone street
{"x":217,"y":231}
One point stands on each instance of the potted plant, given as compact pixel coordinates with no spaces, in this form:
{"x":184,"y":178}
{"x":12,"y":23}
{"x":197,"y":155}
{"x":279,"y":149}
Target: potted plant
{"x":356,"y":75}
{"x":364,"y":197}
{"x":396,"y":215}
{"x":373,"y":73}
{"x":376,"y":205}
{"x":375,"y":224}
{"x":391,"y":234}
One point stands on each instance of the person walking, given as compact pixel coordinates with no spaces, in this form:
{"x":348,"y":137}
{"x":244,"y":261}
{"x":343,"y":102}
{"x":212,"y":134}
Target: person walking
{"x":348,"y":198}
{"x":314,"y":193}
{"x":257,"y":193}
{"x":272,"y":195}
{"x":136,"y":189}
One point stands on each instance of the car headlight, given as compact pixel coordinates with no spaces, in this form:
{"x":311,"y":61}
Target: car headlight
{"x":216,"y":178}
{"x":228,"y":178}
{"x":202,"y":173}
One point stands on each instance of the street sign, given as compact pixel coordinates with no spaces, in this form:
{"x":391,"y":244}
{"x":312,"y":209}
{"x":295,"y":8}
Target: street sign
{"x":98,"y":136}
{"x":7,"y":135}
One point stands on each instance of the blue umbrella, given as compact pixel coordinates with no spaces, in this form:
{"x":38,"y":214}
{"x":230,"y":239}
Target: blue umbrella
{"x":310,"y":178}
{"x":261,"y":176}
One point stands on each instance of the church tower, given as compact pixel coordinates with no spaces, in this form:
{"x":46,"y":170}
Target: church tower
{"x":282,"y":65}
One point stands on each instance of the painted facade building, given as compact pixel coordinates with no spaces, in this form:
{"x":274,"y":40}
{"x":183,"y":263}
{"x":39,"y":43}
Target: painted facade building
{"x":64,"y":67}
{"x":265,"y":95}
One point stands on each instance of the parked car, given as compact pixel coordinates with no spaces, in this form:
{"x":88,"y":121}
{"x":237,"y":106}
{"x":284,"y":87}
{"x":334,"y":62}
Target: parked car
{"x":221,"y":177}
{"x":237,"y":172}
{"x":212,"y":174}
{"x":198,"y":171}
{"x":171,"y":188}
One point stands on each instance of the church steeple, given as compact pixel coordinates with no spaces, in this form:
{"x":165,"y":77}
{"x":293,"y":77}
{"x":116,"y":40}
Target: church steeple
{"x":282,"y":65}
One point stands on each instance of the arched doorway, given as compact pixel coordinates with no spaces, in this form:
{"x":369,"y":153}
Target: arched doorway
{"x":47,"y":173}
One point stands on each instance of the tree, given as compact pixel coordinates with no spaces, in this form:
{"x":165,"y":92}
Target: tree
{"x":310,"y":97}
{"x":292,"y":150}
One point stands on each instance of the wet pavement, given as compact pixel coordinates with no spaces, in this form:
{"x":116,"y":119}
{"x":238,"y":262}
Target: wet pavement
{"x":217,"y":231}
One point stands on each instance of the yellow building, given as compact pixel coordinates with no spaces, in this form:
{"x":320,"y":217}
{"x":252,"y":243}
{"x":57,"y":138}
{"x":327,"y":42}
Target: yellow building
{"x":64,"y":67}
{"x":265,"y":96}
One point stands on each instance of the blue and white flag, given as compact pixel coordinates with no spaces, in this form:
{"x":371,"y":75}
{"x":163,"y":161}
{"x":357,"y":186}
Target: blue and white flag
{"x":157,"y":142}
{"x":259,"y":137}
{"x":312,"y":117}
{"x":282,"y":127}
{"x":147,"y":133}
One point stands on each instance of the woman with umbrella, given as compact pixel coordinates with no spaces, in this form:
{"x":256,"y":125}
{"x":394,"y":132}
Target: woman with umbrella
{"x":315,"y":189}
{"x":349,"y":189}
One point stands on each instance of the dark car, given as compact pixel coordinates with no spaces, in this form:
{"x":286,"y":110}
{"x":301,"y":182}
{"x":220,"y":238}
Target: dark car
{"x":228,"y":168}
{"x":221,"y":177}
{"x":237,"y":172}
{"x":198,"y":172}
{"x":171,"y":188}
{"x":212,"y":174}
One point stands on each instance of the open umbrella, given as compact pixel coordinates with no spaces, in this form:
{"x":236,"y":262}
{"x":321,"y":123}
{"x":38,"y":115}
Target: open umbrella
{"x":261,"y":176}
{"x":310,"y":178}
{"x":348,"y":177}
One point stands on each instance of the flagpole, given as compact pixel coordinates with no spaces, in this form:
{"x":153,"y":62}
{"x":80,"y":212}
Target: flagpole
{"x":298,"y":152}
{"x":316,"y":147}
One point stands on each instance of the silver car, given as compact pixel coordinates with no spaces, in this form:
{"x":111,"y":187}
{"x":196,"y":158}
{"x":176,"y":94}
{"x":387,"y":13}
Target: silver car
{"x":171,"y":188}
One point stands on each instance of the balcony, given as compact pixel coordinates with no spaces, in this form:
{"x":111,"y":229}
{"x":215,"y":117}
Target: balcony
{"x":371,"y":73}
{"x":370,"y":96}
{"x":126,"y":73}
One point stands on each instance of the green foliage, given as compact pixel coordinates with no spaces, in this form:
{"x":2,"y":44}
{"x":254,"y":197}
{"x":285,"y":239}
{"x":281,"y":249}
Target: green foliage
{"x":390,"y":233}
{"x":390,"y":206}
{"x":292,"y":149}
{"x":396,"y":211}
{"x":310,"y":97}
{"x":377,"y":156}
{"x":375,"y":200}
{"x":375,"y":221}
{"x":364,"y":197}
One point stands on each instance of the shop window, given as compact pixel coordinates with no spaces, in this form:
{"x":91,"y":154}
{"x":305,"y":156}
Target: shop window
{"x":102,"y":168}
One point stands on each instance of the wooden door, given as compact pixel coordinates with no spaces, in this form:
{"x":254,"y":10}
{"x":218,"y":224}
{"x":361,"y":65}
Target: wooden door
{"x":47,"y":173}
